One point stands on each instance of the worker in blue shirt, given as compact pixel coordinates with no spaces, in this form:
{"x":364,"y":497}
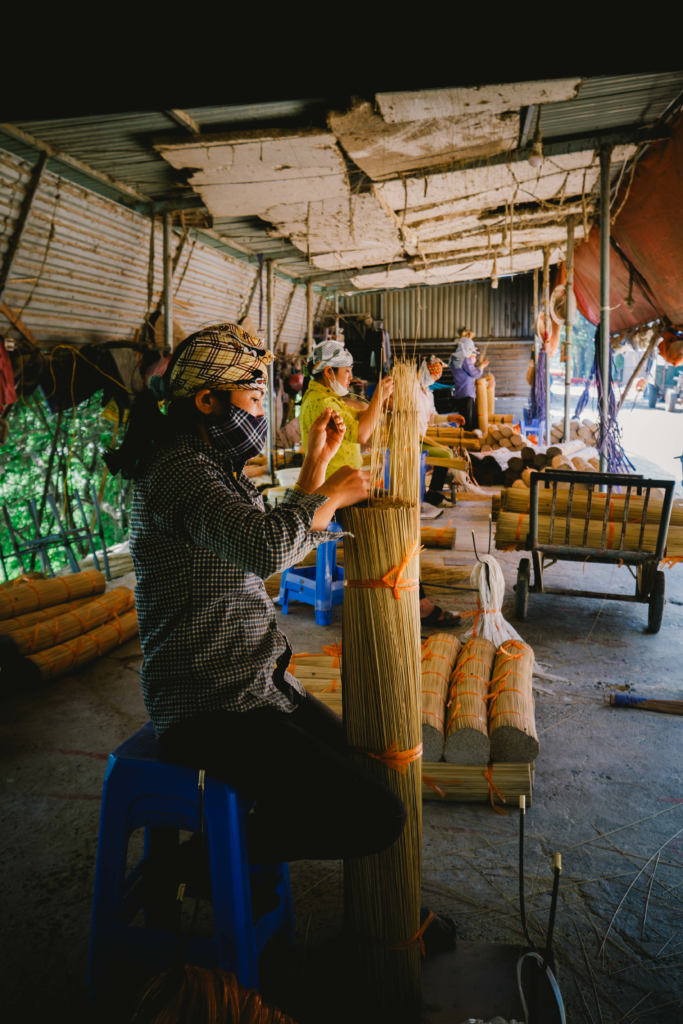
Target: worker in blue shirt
{"x":465,"y":372}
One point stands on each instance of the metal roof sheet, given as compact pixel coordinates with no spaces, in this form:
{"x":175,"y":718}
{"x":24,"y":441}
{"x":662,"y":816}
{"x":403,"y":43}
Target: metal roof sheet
{"x":612,"y":102}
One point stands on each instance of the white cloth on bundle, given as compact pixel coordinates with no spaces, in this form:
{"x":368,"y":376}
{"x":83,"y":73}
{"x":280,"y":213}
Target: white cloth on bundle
{"x":490,"y":624}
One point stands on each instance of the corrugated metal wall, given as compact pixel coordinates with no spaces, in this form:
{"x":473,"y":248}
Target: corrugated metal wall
{"x":429,"y":318}
{"x":81,"y":272}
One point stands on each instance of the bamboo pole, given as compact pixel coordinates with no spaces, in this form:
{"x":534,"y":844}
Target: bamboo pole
{"x":568,"y":326}
{"x":604,"y":355}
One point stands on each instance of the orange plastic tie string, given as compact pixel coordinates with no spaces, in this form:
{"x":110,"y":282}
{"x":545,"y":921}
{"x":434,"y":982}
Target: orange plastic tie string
{"x":519,"y":528}
{"x":396,"y":585}
{"x":332,"y":687}
{"x":394,"y":758}
{"x":436,"y":695}
{"x":488,"y":775}
{"x":417,"y":937}
{"x":432,"y":783}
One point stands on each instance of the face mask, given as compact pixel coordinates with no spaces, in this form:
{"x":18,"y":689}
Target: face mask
{"x":336,"y":387}
{"x":240,"y":433}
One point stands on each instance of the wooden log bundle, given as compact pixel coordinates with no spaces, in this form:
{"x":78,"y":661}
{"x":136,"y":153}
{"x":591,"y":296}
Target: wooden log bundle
{"x":59,"y":629}
{"x":34,"y":594}
{"x":467,"y":739}
{"x":439,"y":655}
{"x":512,"y":726}
{"x":512,"y":529}
{"x":56,"y":660}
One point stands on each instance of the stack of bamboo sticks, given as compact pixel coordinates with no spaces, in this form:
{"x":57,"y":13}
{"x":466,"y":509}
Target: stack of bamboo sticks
{"x":50,"y":626}
{"x":512,"y":529}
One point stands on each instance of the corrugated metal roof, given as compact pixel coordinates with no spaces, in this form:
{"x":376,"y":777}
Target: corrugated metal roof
{"x":612,"y":102}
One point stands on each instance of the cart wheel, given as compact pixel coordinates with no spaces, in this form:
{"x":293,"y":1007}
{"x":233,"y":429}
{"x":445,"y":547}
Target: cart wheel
{"x":522,"y":589}
{"x":657,"y":602}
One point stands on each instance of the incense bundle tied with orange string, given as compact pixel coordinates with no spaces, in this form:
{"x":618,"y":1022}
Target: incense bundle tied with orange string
{"x":57,"y":630}
{"x":438,"y":536}
{"x":33,"y":594}
{"x":467,"y":734}
{"x":439,"y":655}
{"x":56,"y":660}
{"x":382,"y":708}
{"x":512,"y":530}
{"x":32,"y":618}
{"x":512,"y":726}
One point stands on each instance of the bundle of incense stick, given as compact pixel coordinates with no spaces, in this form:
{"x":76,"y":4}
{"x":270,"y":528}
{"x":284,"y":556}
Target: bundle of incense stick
{"x":665,"y":707}
{"x":57,"y":660}
{"x":382,"y":710}
{"x":513,"y":500}
{"x":32,"y":618}
{"x":512,"y":529}
{"x":512,"y":725}
{"x":498,"y":784}
{"x":59,"y":629}
{"x":27,"y":597}
{"x":439,"y":654}
{"x":438,"y":536}
{"x":26,"y":577}
{"x":467,"y":733}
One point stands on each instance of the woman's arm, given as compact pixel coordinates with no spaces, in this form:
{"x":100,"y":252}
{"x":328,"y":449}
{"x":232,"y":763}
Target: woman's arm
{"x":367,"y":421}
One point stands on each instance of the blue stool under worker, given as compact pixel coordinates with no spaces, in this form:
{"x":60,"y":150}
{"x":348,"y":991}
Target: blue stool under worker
{"x":141,"y":791}
{"x":321,"y":585}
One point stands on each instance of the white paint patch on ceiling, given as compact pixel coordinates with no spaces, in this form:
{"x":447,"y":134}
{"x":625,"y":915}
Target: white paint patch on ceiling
{"x":382,"y":149}
{"x":355,"y":223}
{"x":464,"y":271}
{"x":429,"y":103}
{"x":245,"y":174}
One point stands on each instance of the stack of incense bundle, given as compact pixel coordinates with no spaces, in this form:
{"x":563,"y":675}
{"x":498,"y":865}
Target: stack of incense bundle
{"x":512,"y":530}
{"x":495,"y":783}
{"x":439,"y":654}
{"x":56,"y":660}
{"x":438,"y":536}
{"x":33,"y":594}
{"x":512,"y":728}
{"x":467,"y":734}
{"x":58,"y":629}
{"x":518,"y":501}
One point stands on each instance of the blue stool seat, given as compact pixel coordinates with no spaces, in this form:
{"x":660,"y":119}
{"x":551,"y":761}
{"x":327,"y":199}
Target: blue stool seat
{"x":141,"y":791}
{"x":321,"y":585}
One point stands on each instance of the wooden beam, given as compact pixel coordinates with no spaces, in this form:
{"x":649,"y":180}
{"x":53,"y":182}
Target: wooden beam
{"x":22,"y":220}
{"x":16,"y":322}
{"x":185,"y":121}
{"x":72,"y":161}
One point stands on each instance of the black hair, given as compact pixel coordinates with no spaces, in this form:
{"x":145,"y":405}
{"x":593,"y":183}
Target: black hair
{"x":149,"y":430}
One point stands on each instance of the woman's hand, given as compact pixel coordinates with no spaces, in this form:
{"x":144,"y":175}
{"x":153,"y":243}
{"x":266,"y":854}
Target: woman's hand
{"x":384,"y":390}
{"x":482,"y":366}
{"x":455,"y":417}
{"x":344,"y":488}
{"x":325,"y":436}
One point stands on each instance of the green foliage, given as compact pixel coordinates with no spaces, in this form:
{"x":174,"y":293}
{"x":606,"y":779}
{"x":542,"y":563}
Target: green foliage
{"x":77,"y":463}
{"x":583,"y":348}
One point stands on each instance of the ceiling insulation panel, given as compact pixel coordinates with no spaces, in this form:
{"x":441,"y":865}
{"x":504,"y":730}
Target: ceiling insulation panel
{"x":355,"y":222}
{"x":246,"y":174}
{"x":428,"y":103}
{"x":523,"y":237}
{"x":466,"y":270}
{"x":382,"y":149}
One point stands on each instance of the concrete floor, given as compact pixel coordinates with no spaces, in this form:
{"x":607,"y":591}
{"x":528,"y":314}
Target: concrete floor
{"x":608,"y":795}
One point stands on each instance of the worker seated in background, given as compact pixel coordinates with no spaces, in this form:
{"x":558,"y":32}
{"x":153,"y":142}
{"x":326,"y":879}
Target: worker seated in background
{"x":203,"y":540}
{"x":430,"y":372}
{"x":465,"y":372}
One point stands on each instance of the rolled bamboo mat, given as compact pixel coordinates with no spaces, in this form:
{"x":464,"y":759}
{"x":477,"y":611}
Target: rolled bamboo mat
{"x":467,"y":733}
{"x":382,"y":718}
{"x":26,"y":597}
{"x":499,"y":784}
{"x":66,"y":626}
{"x":512,"y":530}
{"x":438,"y":536}
{"x":439,"y":655}
{"x":512,"y":725}
{"x":32,"y":618}
{"x":25,"y":577}
{"x":57,"y":660}
{"x":481,"y":389}
{"x":519,"y":502}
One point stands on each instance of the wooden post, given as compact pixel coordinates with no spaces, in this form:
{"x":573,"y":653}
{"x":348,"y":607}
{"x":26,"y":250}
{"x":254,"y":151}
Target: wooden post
{"x":285,"y":315}
{"x":546,"y":311}
{"x":309,"y":318}
{"x":22,"y":220}
{"x":568,"y":325}
{"x":168,"y":281}
{"x":270,"y":395}
{"x":604,"y":354}
{"x":535,"y":315}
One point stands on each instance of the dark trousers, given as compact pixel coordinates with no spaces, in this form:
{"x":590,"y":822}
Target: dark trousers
{"x":465,"y":406}
{"x":312,"y":800}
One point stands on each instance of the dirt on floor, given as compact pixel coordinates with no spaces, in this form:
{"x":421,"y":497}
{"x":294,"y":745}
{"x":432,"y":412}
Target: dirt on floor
{"x":608,"y":796}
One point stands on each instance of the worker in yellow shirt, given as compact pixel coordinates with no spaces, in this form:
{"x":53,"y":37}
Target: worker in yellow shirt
{"x":330,"y":372}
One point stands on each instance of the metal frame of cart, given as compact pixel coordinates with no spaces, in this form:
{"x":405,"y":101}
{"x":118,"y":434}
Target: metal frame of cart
{"x":650,"y":580}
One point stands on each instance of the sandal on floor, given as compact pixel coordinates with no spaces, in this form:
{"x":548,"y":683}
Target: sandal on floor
{"x":434,"y":618}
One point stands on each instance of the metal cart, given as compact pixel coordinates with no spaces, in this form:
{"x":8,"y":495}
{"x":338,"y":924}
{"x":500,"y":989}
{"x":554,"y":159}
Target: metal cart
{"x":650,"y":581}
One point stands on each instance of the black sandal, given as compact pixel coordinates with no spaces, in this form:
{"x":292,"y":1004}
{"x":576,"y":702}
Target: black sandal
{"x":434,"y":618}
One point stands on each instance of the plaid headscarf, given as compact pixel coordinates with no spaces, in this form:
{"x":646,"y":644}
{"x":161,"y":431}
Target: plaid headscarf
{"x":222,"y":357}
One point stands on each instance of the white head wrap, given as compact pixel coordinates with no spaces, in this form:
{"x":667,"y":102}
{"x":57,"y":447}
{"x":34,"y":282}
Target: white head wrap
{"x":464,"y":351}
{"x":329,"y":353}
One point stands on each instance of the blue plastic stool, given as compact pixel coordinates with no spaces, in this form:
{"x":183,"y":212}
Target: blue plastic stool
{"x":142,"y":791}
{"x":321,"y":585}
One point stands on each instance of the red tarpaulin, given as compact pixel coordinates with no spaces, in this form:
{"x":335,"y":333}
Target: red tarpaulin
{"x":649,"y":231}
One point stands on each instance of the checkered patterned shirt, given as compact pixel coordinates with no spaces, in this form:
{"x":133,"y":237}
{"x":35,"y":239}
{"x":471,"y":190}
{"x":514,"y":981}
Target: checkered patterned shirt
{"x":203,"y":540}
